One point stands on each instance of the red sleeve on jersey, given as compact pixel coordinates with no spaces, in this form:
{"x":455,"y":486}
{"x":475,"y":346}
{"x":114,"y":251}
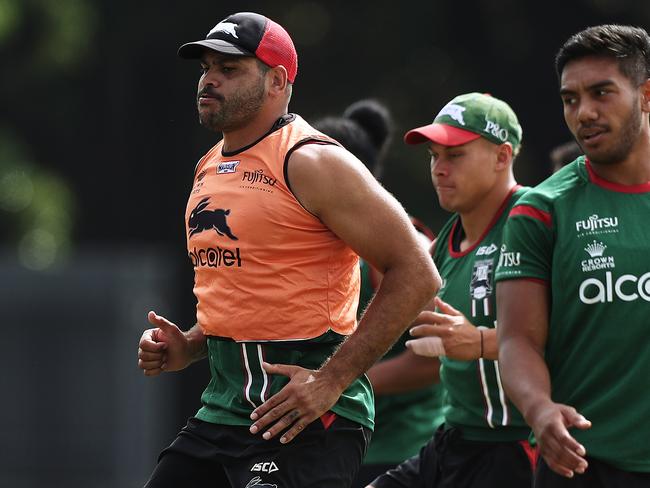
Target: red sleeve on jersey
{"x":535,"y":213}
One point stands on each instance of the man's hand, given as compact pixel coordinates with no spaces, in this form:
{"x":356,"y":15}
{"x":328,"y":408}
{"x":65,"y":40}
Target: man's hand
{"x":305,"y":398}
{"x":460,"y":339}
{"x":563,"y":454}
{"x":165,"y":348}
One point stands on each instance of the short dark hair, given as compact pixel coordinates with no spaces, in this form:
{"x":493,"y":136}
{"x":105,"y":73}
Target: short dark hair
{"x":263,"y":67}
{"x":629,"y":45}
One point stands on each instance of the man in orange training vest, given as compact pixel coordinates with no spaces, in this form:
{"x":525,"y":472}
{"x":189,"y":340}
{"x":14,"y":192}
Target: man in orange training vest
{"x":276,"y":217}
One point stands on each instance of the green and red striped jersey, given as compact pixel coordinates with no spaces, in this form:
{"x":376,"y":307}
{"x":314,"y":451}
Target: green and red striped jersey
{"x":475,"y":400}
{"x":588,"y":239}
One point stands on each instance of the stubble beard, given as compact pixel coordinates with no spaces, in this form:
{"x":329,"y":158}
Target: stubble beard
{"x":629,"y":134}
{"x":236,"y":111}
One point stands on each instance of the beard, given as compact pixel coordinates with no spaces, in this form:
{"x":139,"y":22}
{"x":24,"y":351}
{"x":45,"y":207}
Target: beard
{"x":235,"y":111}
{"x":629,"y":134}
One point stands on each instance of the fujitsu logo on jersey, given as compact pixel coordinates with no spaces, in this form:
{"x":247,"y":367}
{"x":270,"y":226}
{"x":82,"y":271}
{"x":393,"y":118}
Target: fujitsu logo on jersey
{"x":627,"y":287}
{"x":258,"y":176}
{"x":509,"y":259}
{"x":595,"y":222}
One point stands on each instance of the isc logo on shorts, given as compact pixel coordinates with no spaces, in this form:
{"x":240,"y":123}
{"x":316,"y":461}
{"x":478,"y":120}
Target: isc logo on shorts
{"x":265,"y":467}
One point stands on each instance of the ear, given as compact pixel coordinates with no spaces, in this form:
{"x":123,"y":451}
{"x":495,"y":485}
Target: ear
{"x":645,"y":96}
{"x":277,"y":80}
{"x":504,"y":156}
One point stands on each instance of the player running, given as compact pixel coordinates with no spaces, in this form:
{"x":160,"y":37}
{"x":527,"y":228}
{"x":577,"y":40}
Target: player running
{"x":276,"y":218}
{"x":574,"y":275}
{"x":483,"y":442}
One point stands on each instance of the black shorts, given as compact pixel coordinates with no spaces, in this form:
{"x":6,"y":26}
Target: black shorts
{"x":206,"y":455}
{"x":448,"y":461}
{"x":368,"y":472}
{"x":598,"y":474}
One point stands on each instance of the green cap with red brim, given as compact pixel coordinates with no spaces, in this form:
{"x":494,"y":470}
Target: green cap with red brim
{"x":468,"y":117}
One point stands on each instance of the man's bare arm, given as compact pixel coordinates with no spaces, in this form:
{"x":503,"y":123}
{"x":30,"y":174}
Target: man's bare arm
{"x":334,"y":186}
{"x":522,"y":315}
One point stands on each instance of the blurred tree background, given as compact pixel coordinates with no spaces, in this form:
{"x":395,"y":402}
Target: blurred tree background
{"x":98,"y":141}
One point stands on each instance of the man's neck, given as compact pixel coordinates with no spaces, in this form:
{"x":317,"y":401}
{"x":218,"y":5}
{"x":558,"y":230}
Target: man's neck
{"x":251,"y":132}
{"x":476,"y":221}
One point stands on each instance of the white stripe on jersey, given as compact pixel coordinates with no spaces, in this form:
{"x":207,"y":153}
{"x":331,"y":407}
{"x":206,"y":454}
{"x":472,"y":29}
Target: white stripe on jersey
{"x":502,"y":395}
{"x":247,"y":391}
{"x":486,"y":393}
{"x":264,"y":375}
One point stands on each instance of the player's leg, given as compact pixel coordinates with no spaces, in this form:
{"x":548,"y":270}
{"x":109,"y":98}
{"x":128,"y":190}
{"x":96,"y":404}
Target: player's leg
{"x":193,"y":460}
{"x":474,"y":464}
{"x":177,"y":469}
{"x":369,"y":472}
{"x":420,"y":471}
{"x":324,"y":455}
{"x":405,"y":475}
